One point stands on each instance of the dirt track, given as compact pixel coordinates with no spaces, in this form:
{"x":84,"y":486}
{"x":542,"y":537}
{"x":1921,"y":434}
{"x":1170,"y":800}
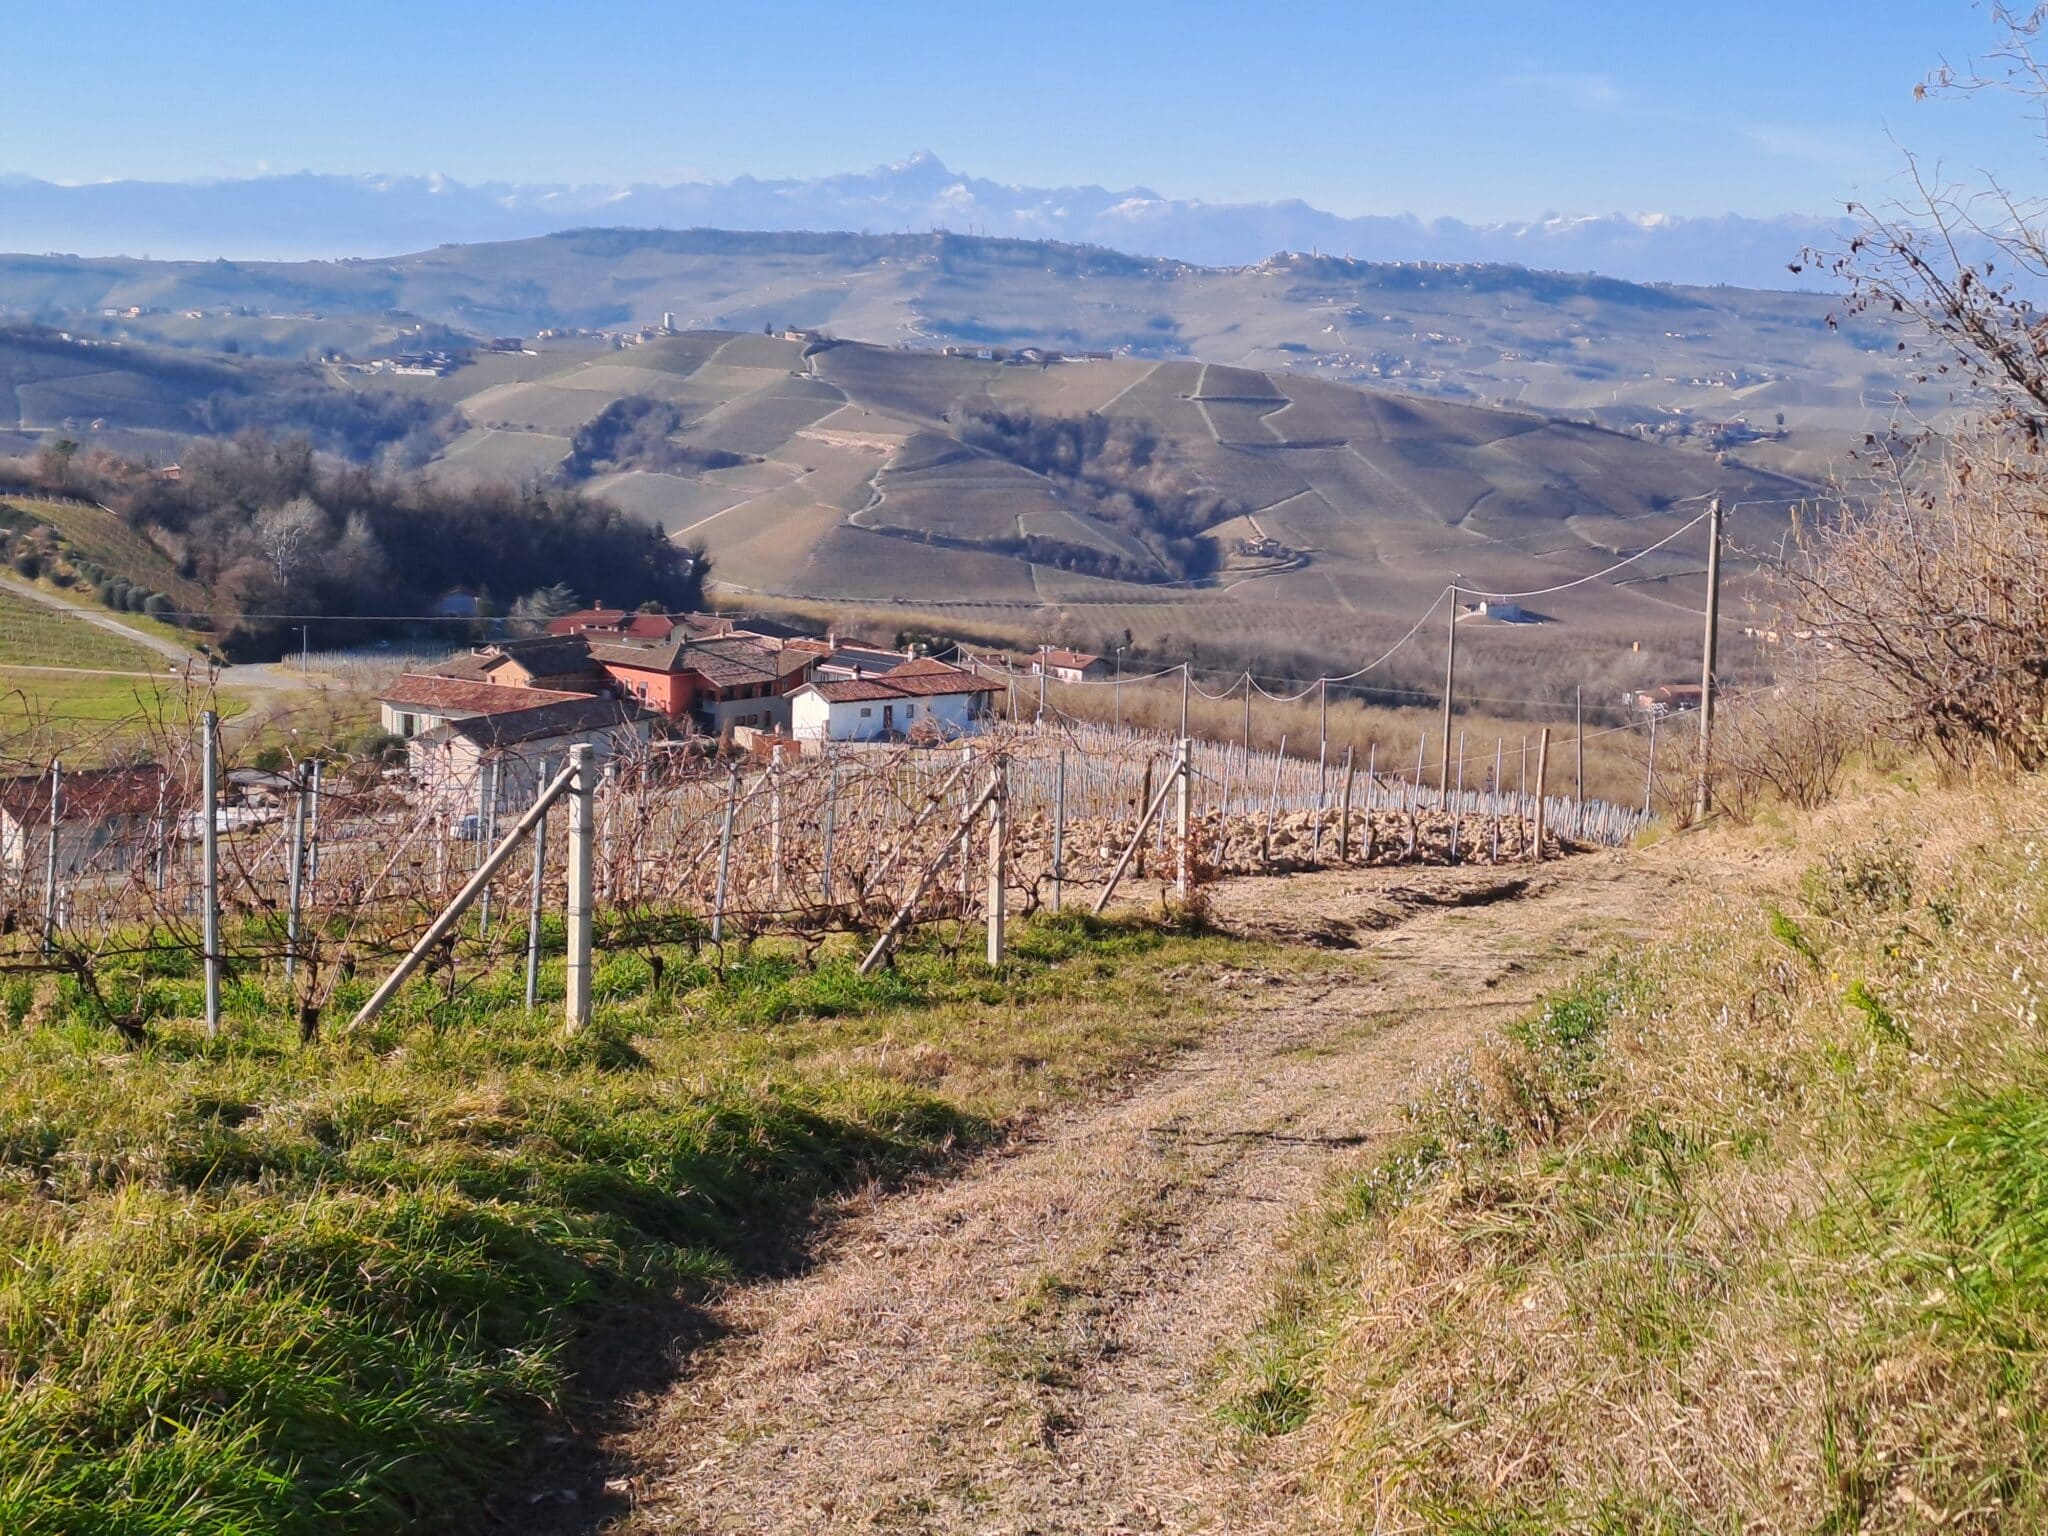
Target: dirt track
{"x":1025,"y":1348}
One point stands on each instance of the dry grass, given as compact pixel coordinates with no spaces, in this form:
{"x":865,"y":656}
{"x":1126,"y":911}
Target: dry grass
{"x":1745,"y":1235}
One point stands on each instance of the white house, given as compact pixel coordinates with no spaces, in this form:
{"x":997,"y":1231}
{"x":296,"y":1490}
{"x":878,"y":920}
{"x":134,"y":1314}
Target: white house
{"x":1067,"y":666}
{"x":920,"y":700}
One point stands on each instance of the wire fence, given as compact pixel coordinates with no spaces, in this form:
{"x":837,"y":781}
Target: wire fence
{"x":334,"y":868}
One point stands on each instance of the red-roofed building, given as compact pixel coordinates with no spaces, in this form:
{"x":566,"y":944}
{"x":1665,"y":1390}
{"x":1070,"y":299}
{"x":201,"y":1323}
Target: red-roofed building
{"x":418,"y":702}
{"x":1068,"y":666}
{"x":917,"y":700}
{"x":105,"y":817}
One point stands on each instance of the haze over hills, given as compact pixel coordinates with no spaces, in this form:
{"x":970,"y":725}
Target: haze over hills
{"x":319,"y":215}
{"x":1665,"y":360}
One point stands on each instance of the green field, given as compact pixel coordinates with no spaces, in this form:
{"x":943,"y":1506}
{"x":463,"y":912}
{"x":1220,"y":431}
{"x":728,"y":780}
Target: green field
{"x":332,"y":1288}
{"x":32,"y":635}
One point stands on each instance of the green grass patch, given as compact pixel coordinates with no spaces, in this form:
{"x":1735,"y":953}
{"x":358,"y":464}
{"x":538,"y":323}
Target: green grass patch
{"x":1750,"y":1232}
{"x":254,"y":1286}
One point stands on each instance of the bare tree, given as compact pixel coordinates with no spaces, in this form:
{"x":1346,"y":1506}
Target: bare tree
{"x":1930,"y":590}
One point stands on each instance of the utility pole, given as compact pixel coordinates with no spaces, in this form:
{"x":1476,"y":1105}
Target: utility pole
{"x":1247,"y":717}
{"x":1579,"y":734}
{"x":1650,"y":774}
{"x":1443,"y":786}
{"x":1117,"y":691}
{"x":1703,"y":794}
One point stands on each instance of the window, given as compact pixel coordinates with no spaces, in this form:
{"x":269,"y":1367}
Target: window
{"x":865,"y":712}
{"x":910,"y":711}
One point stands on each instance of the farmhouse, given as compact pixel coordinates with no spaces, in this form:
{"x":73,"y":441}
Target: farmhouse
{"x":1671,"y":698}
{"x":919,"y":700}
{"x":418,"y":702}
{"x":714,"y":684}
{"x":448,"y":761}
{"x":1067,"y":666}
{"x":104,"y":817}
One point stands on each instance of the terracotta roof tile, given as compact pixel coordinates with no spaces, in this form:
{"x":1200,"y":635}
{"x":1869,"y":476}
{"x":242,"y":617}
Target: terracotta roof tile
{"x":454,"y":695}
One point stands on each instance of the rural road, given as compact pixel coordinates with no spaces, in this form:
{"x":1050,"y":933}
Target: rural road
{"x":263,"y":675}
{"x":1030,"y":1347}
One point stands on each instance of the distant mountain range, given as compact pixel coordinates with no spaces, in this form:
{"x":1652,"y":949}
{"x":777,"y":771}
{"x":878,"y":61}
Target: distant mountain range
{"x":310,"y":215}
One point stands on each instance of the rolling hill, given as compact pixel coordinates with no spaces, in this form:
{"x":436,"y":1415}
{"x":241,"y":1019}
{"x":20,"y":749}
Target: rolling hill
{"x":858,"y":476}
{"x":1651,"y":358}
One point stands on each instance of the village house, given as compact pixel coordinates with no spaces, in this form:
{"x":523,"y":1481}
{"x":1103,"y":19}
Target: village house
{"x":714,"y":685}
{"x":105,"y":818}
{"x":448,"y":762}
{"x":917,"y":701}
{"x":1669,"y":699}
{"x":1067,"y":666}
{"x":558,"y":662}
{"x":416,"y":701}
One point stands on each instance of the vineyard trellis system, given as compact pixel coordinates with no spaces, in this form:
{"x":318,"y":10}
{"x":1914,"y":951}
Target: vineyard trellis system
{"x":341,"y":867}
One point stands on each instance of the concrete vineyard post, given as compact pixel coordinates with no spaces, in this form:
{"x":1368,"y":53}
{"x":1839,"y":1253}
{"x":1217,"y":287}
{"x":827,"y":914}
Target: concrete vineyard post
{"x":825,"y":851}
{"x":540,"y":873}
{"x":486,"y":835}
{"x":1315,"y":849}
{"x":582,"y":792}
{"x":1183,"y":878}
{"x":1450,"y":681}
{"x":209,"y":857}
{"x":1344,"y":816}
{"x":50,"y":859}
{"x":732,"y":801}
{"x":998,"y":835}
{"x":295,"y":870}
{"x":775,"y":820}
{"x":1059,"y":830}
{"x":1579,"y":740}
{"x":1703,"y":792}
{"x":1542,"y":775}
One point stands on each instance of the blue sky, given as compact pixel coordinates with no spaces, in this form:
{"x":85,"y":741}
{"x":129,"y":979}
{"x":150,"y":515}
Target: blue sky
{"x":1478,"y":110}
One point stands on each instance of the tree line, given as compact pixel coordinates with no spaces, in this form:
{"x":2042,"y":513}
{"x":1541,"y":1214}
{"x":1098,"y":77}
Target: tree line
{"x":279,"y":538}
{"x":1119,"y":472}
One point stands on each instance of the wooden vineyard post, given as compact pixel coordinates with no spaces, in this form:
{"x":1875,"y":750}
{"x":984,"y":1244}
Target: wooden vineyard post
{"x":1344,"y":815}
{"x":582,"y":793}
{"x":1372,"y":768}
{"x":1183,"y":877}
{"x":1059,"y":830}
{"x":1542,"y":775}
{"x":1458,"y":805}
{"x":1144,"y":799}
{"x":998,"y":849}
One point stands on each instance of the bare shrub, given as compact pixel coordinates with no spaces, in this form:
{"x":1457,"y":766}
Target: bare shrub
{"x":1792,"y":742}
{"x":1933,"y":600}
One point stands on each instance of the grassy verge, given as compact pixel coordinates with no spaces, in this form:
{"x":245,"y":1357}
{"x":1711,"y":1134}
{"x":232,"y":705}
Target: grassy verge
{"x":1747,"y":1234}
{"x":255,"y":1286}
